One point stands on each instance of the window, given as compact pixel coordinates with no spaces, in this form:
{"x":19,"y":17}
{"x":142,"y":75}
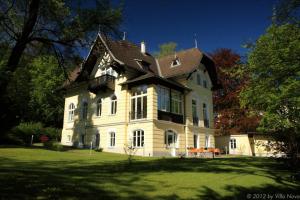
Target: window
{"x":138,"y":138}
{"x":195,"y":141}
{"x":175,"y":62}
{"x":113,"y":106}
{"x":139,"y":102}
{"x":207,"y":141}
{"x":176,"y":102}
{"x":68,"y":138}
{"x":71,"y":112}
{"x":112,"y":139}
{"x":233,"y":143}
{"x":171,"y":139}
{"x":98,"y":107}
{"x":194,"y":112}
{"x":205,"y":116}
{"x":82,"y":139}
{"x":198,"y":79}
{"x":84,"y":110}
{"x":204,"y":83}
{"x":163,"y":95}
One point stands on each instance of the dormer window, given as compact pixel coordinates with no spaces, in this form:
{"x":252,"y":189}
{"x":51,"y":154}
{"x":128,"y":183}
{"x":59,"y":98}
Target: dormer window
{"x":175,"y":62}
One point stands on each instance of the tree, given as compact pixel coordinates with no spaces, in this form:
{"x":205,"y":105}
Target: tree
{"x":287,"y":11}
{"x":56,"y":27}
{"x":230,"y":117}
{"x":166,"y":49}
{"x":274,"y":82}
{"x":31,"y":94}
{"x":46,"y":106}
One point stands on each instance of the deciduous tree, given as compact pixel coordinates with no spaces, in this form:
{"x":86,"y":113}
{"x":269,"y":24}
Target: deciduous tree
{"x":230,"y":118}
{"x":274,"y":82}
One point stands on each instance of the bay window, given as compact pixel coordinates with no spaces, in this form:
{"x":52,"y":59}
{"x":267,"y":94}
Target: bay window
{"x":163,"y":98}
{"x":176,"y":102}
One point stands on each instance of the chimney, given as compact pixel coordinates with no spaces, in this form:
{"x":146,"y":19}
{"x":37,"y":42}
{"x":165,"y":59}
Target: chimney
{"x":143,"y":47}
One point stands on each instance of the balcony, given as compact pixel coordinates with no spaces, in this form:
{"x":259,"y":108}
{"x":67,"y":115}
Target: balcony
{"x":195,"y":121}
{"x":168,"y":116}
{"x":101,"y":83}
{"x":206,"y":123}
{"x":138,"y":115}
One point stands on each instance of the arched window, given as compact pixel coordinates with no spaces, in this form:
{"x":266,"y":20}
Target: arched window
{"x":84,"y":110}
{"x":98,"y":107}
{"x":113,"y":107}
{"x":138,"y":138}
{"x":71,"y":112}
{"x":112,"y":139}
{"x":207,"y":141}
{"x":171,"y":139}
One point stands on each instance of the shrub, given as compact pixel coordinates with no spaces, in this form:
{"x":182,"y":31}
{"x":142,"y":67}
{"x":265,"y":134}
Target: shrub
{"x":99,"y":149}
{"x":24,"y":132}
{"x":55,"y":146}
{"x":53,"y":133}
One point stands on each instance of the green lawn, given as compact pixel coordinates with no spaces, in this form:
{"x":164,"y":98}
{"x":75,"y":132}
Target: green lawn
{"x":75,"y":174}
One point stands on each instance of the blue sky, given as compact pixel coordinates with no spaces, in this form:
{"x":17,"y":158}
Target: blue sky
{"x":216,"y":23}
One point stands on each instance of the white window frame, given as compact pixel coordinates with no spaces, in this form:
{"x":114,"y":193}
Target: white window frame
{"x":207,"y":141}
{"x":135,"y":96}
{"x":99,"y":107}
{"x":175,"y":139}
{"x":138,"y":138}
{"x":176,"y":102}
{"x":163,"y":98}
{"x":232,"y":143}
{"x":71,"y":112}
{"x":113,"y":105}
{"x":112,"y":139}
{"x":177,"y":62}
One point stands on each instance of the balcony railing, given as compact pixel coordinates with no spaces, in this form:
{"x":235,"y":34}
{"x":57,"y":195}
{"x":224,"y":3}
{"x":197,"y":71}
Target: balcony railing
{"x":195,"y":121}
{"x":138,"y":115}
{"x":168,"y":116}
{"x":206,"y":123}
{"x":102,"y":82}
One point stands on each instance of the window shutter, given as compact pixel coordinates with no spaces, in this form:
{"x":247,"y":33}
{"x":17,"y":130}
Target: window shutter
{"x":165,"y":137}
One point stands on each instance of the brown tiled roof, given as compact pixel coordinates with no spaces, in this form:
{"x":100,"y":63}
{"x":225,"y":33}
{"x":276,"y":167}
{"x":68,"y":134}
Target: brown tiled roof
{"x":156,"y":79}
{"x":130,"y":53}
{"x":189,"y":60}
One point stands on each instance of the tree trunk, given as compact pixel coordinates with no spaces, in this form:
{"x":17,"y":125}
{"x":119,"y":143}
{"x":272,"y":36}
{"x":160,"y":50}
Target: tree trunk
{"x":22,"y":41}
{"x":17,"y":51}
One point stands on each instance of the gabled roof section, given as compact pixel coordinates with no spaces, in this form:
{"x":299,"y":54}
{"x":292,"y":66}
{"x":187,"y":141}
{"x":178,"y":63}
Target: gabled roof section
{"x":190,"y":60}
{"x":123,"y":52}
